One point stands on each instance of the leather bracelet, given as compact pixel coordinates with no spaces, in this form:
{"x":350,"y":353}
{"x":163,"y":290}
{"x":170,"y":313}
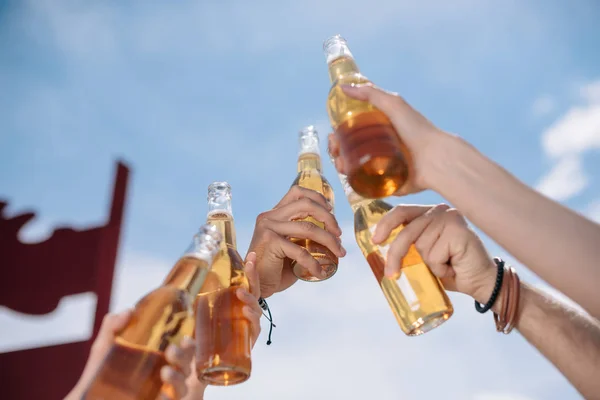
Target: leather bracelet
{"x":497,"y":286}
{"x":506,"y":319}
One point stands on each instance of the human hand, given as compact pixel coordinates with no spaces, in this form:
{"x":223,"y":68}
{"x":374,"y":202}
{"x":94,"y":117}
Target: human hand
{"x":173,"y":375}
{"x":453,"y":252}
{"x":423,"y":140}
{"x":270,"y":241}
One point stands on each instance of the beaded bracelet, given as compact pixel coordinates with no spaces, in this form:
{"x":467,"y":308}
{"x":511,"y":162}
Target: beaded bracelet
{"x":499,"y":277}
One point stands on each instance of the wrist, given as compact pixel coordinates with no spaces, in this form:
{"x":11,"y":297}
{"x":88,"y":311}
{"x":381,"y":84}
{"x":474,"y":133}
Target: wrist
{"x":444,"y":160}
{"x":483,"y":291}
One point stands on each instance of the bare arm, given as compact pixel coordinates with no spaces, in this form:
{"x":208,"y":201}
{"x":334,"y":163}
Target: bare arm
{"x":567,"y":337}
{"x":553,"y":241}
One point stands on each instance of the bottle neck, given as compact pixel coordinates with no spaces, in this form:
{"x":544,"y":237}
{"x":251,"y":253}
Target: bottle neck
{"x":309,"y":161}
{"x":189,"y":272}
{"x":342,"y":66}
{"x":223,"y":220}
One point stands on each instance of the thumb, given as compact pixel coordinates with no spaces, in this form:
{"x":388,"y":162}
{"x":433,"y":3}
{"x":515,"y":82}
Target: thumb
{"x":252,"y":274}
{"x":407,"y":121}
{"x":113,"y":323}
{"x":383,"y":100}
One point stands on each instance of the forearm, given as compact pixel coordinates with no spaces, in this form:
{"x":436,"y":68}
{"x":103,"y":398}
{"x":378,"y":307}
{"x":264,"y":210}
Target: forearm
{"x":567,"y":337}
{"x":555,"y":242}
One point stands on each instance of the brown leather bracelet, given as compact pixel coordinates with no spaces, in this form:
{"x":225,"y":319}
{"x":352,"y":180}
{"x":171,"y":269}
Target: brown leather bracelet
{"x":516,"y":290}
{"x":512,"y":303}
{"x":500,"y":318}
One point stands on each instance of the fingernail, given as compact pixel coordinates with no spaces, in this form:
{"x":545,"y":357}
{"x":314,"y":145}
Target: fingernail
{"x":187,"y":341}
{"x":344,"y":252}
{"x":350,"y":86}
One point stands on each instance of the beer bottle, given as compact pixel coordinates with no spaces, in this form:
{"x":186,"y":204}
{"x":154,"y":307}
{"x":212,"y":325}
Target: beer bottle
{"x":310,"y":176}
{"x":416,"y":296}
{"x":377,"y":161}
{"x":131,"y":369}
{"x":222,"y":332}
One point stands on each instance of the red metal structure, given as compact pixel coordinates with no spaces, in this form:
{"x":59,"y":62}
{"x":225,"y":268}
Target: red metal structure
{"x":34,"y":277}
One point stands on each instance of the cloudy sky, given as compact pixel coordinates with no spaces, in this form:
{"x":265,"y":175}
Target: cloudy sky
{"x":190,"y":92}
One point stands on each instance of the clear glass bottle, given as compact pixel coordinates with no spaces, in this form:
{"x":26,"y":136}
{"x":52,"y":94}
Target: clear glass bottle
{"x":131,"y":369}
{"x":310,"y":176}
{"x":416,"y":297}
{"x":377,"y":160}
{"x":223,"y":336}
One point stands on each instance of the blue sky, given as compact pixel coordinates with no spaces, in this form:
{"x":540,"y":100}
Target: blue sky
{"x":191,"y":92}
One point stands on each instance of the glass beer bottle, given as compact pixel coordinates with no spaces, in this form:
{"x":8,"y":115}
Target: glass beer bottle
{"x":417,"y":297}
{"x":377,"y":160}
{"x":131,"y":369}
{"x":222,"y":332}
{"x":310,"y":176}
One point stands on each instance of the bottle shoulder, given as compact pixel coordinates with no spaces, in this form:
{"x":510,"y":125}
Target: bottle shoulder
{"x":315,"y":180}
{"x":157,"y":317}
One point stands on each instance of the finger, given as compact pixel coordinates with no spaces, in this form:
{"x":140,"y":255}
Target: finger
{"x":334,"y":154}
{"x":308,"y":230}
{"x":251,"y":257}
{"x":399,"y":215}
{"x":174,"y":378}
{"x":248,"y":299}
{"x":180,"y":357}
{"x":254,"y":318}
{"x":388,"y":102}
{"x":408,"y":236}
{"x":113,"y":324}
{"x":432,"y":245}
{"x":405,"y":118}
{"x":333,"y":145}
{"x":304,"y":208}
{"x":300,"y":255}
{"x":296,"y":192}
{"x":253,"y":278}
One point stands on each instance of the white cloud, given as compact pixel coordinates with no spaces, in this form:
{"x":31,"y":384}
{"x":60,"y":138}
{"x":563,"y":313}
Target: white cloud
{"x":577,"y":131}
{"x":566,"y":142}
{"x":543,"y":105}
{"x":565,"y":179}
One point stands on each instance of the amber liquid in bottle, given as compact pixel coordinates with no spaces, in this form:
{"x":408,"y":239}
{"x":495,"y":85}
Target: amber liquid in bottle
{"x":377,"y":160}
{"x":416,"y":297}
{"x":223,"y":336}
{"x":310,"y":176}
{"x":131,"y":369}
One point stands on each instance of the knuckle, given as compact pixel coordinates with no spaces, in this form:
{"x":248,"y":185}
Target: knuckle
{"x":306,"y":202}
{"x":421,"y":248}
{"x":442,"y":207}
{"x":296,"y":191}
{"x":268,"y":235}
{"x":307,"y":226}
{"x":262,"y":216}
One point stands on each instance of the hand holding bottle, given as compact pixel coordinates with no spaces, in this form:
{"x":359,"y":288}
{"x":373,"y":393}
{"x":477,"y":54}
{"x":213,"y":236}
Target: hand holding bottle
{"x":251,"y":310}
{"x":174,"y":374}
{"x":422,"y":138}
{"x":453,"y":252}
{"x":273,"y":228}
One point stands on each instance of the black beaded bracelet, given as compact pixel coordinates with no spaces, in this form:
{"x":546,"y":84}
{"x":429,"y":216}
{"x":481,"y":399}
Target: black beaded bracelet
{"x":483,"y":309}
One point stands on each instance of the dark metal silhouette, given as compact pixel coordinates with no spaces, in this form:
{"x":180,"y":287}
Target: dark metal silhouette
{"x":33,"y":279}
